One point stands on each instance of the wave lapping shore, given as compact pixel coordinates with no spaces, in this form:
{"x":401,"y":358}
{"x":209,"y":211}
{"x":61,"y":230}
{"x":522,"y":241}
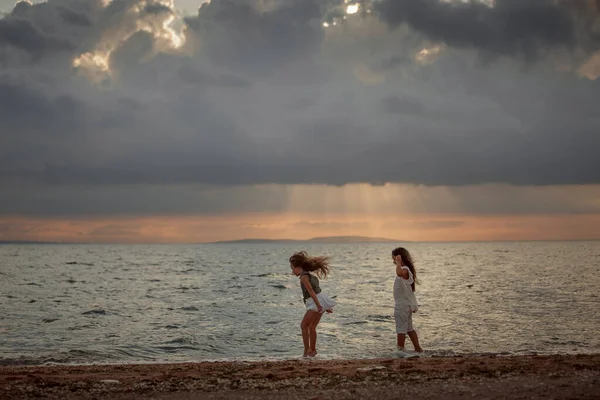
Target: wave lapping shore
{"x":482,"y":377}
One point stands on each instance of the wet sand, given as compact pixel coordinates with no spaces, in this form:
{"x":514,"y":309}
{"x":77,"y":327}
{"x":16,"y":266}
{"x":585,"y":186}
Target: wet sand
{"x":482,"y":377}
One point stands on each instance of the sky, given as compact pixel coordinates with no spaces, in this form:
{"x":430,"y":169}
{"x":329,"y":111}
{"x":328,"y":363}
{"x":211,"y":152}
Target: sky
{"x":144,"y":121}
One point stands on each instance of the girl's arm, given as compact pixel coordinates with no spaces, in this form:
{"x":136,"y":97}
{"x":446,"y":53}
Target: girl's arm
{"x":306,"y":281}
{"x":401,"y":272}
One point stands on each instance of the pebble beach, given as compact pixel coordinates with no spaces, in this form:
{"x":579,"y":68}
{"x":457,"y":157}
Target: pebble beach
{"x":483,"y":377}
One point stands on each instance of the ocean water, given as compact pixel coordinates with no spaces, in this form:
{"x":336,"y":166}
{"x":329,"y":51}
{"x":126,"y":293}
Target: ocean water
{"x":170,"y":303}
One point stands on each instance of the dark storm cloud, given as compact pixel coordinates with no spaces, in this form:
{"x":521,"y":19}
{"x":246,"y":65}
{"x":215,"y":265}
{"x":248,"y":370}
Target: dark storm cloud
{"x":137,"y":200}
{"x":67,"y":28}
{"x":24,"y":109}
{"x":132,"y":51}
{"x":253,"y":97}
{"x":240,"y":35}
{"x":74,"y":17}
{"x":511,"y":27}
{"x":22,"y":34}
{"x":155,"y":8}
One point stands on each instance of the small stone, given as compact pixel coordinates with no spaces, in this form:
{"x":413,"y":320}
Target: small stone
{"x":111,"y":381}
{"x":371,"y":368}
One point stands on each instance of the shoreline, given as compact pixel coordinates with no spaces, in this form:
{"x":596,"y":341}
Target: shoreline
{"x":483,"y":376}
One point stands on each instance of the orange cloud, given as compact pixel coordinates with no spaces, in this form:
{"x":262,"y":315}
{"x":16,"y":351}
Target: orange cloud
{"x":195,"y":229}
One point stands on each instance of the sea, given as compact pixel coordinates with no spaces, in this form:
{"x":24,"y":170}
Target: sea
{"x":106,"y":304}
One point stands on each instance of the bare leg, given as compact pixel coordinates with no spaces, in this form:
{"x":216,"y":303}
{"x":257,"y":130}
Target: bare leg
{"x":401,"y":339}
{"x":415,"y":340}
{"x":305,"y":326}
{"x":313,"y":335}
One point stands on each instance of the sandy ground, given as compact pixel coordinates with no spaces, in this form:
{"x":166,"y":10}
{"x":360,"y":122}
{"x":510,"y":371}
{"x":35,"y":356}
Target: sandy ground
{"x":481,"y":377}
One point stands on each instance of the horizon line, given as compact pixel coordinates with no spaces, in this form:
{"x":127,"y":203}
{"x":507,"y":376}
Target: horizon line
{"x":257,"y":240}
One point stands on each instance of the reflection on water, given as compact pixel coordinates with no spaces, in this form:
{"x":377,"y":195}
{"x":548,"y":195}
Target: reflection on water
{"x":146,"y":303}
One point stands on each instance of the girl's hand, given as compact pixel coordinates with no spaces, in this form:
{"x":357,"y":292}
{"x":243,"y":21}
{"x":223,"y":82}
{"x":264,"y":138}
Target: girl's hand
{"x":320,"y":308}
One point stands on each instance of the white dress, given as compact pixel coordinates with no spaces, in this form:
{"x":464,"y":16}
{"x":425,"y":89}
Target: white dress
{"x":404,"y":297}
{"x":325,"y":301}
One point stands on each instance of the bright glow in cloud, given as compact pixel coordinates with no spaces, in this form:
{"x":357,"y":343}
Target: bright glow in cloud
{"x":165,"y":33}
{"x":428,"y":55}
{"x":94,"y":65}
{"x":352,"y":9}
{"x":176,"y":39}
{"x":591,"y":68}
{"x":163,"y":30}
{"x":92,"y":60}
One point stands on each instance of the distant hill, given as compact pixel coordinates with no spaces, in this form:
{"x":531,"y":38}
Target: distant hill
{"x":322,"y":239}
{"x":257,"y":241}
{"x":27,"y":242}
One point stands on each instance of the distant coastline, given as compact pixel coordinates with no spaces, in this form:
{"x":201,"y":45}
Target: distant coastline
{"x":34,"y":242}
{"x":320,"y":239}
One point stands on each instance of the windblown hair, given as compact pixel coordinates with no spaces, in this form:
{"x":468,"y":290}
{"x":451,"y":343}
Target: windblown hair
{"x":406,"y":260}
{"x":318,"y":265}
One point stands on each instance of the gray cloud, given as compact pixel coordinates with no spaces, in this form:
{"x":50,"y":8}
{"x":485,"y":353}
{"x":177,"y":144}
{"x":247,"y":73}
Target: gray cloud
{"x":74,"y":17}
{"x":261,"y":92}
{"x":23,"y":35}
{"x":401,"y":105}
{"x":25,"y":113}
{"x":132,"y":51}
{"x":238,"y":34}
{"x":41,"y":200}
{"x":156,"y":8}
{"x":137,"y":200}
{"x":513,"y":27}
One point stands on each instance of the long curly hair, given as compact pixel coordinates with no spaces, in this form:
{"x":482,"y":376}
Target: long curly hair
{"x":319,"y":265}
{"x":408,"y":261}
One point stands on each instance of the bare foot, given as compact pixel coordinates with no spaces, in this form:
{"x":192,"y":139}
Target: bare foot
{"x":312,"y":353}
{"x":418,"y":350}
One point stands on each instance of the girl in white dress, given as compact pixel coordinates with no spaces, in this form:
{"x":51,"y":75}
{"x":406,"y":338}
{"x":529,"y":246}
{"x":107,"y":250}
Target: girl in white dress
{"x":405,"y":301}
{"x":316,"y":302}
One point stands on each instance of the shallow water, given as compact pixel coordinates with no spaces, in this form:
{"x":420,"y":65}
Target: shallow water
{"x":157,"y":303}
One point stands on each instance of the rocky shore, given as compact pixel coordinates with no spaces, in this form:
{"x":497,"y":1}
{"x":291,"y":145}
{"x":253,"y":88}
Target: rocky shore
{"x":482,"y":377}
